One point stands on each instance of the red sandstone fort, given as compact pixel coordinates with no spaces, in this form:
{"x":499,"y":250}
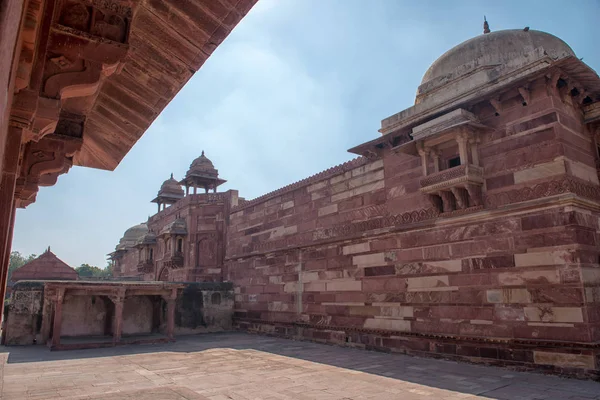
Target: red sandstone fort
{"x":468,"y":229}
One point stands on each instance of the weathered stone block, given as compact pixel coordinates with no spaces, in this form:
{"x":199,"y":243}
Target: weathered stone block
{"x":356,"y":248}
{"x":395,"y":311}
{"x":540,"y":171}
{"x":330,"y":209}
{"x":344,"y":285}
{"x":508,"y":296}
{"x":564,"y":360}
{"x":369,"y":259}
{"x":543,"y":313}
{"x":387,"y":324}
{"x":427,"y":282}
{"x":538,"y":277}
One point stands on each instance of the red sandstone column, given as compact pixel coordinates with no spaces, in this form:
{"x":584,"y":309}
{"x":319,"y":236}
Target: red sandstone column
{"x":462,"y":139}
{"x":60,"y":293}
{"x":171,"y":314}
{"x":8,"y":179}
{"x":46,"y":319}
{"x":118,"y":301}
{"x":424,"y":153}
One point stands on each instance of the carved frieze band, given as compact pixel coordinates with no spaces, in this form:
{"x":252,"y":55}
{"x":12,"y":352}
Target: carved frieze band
{"x":544,"y":189}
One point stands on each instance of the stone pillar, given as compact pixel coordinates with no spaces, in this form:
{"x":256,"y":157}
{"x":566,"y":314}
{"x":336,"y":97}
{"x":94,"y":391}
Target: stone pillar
{"x":118,"y":301}
{"x":461,"y":196}
{"x":424,"y":153}
{"x":436,"y":160}
{"x":448,"y":200}
{"x":462,"y":139}
{"x":474,"y":153}
{"x":187,"y":190}
{"x":60,"y":294}
{"x":10,"y":167}
{"x":46,"y":319}
{"x":158,"y":207}
{"x":195,"y":188}
{"x":171,"y":302}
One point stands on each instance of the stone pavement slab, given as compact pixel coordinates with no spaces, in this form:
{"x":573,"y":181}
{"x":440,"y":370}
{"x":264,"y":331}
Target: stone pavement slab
{"x":238,"y":366}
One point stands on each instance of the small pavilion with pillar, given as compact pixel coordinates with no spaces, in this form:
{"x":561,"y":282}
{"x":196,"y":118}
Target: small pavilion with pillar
{"x":66,"y":302}
{"x":170,"y":192}
{"x":202,"y":174}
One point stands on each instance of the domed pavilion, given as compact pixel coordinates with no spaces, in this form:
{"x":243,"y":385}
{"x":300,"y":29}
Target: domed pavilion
{"x":202,"y":174}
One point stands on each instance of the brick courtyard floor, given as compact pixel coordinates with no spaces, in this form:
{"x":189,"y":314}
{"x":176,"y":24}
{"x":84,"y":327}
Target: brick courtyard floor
{"x":240,"y":366}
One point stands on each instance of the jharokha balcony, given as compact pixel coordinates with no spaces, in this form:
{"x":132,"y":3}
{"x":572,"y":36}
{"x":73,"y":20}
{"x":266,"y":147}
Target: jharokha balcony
{"x":145,"y":266}
{"x":175,"y":261}
{"x":456,"y":188}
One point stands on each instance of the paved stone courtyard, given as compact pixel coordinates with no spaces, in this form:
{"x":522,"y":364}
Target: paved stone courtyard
{"x":239,"y":366}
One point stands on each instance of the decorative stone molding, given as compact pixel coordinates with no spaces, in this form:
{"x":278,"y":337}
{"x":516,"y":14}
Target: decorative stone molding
{"x":544,"y":189}
{"x":446,"y":179}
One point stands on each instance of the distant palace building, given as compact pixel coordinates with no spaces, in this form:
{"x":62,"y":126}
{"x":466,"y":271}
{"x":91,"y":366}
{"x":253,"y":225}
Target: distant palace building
{"x":468,"y":229}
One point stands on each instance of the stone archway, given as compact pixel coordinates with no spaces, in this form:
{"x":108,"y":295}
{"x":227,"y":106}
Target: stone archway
{"x":164,"y":275}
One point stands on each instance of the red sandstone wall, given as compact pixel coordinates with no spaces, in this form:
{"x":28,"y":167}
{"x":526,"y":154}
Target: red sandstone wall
{"x":363,"y":251}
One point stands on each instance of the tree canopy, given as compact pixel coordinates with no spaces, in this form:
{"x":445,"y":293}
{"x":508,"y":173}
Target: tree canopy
{"x":86,"y":270}
{"x":18,"y":260}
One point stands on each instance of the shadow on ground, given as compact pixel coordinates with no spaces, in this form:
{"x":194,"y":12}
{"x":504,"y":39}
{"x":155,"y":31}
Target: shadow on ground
{"x":462,"y":380}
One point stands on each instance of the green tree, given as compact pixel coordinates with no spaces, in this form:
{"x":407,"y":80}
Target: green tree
{"x":86,"y":270}
{"x":17,"y":260}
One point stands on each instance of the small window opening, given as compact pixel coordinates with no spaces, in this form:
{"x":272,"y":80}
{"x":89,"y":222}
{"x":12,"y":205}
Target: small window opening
{"x":179,"y":245}
{"x":587,"y":100}
{"x":574,"y":92}
{"x":215,"y":298}
{"x":454,"y":162}
{"x":561,"y":83}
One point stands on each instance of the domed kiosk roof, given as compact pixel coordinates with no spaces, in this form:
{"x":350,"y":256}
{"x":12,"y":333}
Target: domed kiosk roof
{"x":171,"y":186}
{"x":202,"y":165}
{"x":202,"y":173}
{"x":495,"y":48}
{"x":170,"y":192}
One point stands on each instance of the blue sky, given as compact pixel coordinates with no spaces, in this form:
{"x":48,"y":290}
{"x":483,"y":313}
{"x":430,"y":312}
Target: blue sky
{"x":295,"y":85}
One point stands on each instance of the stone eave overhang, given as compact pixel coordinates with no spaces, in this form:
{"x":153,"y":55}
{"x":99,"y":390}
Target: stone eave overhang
{"x":392,"y":132}
{"x":170,"y":197}
{"x":197,"y":178}
{"x":168,"y":42}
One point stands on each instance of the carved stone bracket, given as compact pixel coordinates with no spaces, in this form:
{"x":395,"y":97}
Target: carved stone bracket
{"x":525,"y":94}
{"x":43,"y":161}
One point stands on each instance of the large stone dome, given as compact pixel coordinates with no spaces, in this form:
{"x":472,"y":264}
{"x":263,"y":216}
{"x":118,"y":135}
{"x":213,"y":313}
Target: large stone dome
{"x":132,"y":235}
{"x":496,"y":48}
